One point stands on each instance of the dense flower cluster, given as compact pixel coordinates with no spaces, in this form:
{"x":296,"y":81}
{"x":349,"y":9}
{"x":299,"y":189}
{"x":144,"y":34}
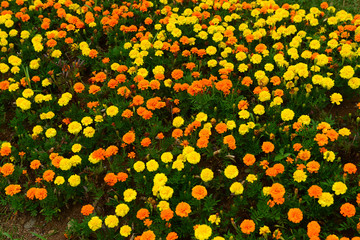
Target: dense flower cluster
{"x":182,"y":119}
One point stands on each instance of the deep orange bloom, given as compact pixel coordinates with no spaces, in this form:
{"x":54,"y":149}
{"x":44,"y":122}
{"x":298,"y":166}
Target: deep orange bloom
{"x":350,"y":168}
{"x":142,"y":213}
{"x":12,"y":189}
{"x":110,"y":179}
{"x":121,"y":176}
{"x":40,"y":193}
{"x":86,"y":210}
{"x":146,"y":142}
{"x":183,"y":209}
{"x":313,"y":166}
{"x":348,"y":210}
{"x":221,"y":128}
{"x":148,"y":235}
{"x":247,"y":226}
{"x":48,"y":175}
{"x":277,"y":190}
{"x":167,"y":214}
{"x":199,"y":192}
{"x":177,"y":74}
{"x":315,"y":191}
{"x":267,"y":147}
{"x":172,"y":236}
{"x":129,"y":137}
{"x":249,"y":159}
{"x":35,"y":164}
{"x":295,"y":215}
{"x":230,"y":141}
{"x":313,"y":229}
{"x":7,"y":169}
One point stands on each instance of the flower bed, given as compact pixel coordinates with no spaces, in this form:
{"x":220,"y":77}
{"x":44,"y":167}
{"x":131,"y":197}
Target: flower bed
{"x":181,"y":119}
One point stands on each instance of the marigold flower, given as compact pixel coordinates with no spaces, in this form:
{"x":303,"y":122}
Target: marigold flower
{"x":247,"y":226}
{"x":183,"y":209}
{"x":86,"y":210}
{"x":267,"y":147}
{"x":142,"y":214}
{"x":295,"y":215}
{"x":7,"y":169}
{"x":199,"y":192}
{"x":347,"y":210}
{"x":129,"y":137}
{"x":167,"y":214}
{"x":12,"y":189}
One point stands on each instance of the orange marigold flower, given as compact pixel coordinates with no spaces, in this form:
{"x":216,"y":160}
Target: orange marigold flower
{"x":148,"y":235}
{"x":146,"y":142}
{"x":350,"y":168}
{"x":183,"y":209}
{"x":295,"y":215}
{"x":277,"y":190}
{"x":86,"y":210}
{"x":7,"y":169}
{"x":202,"y":142}
{"x":94,"y":89}
{"x":249,"y":159}
{"x":127,"y":113}
{"x":48,"y":175}
{"x":142,"y":214}
{"x":267,"y":147}
{"x":321,"y":139}
{"x":348,"y":210}
{"x":247,"y":226}
{"x":40,"y":193}
{"x":199,"y":192}
{"x":35,"y":164}
{"x":167,"y":214}
{"x":176,"y":133}
{"x":221,"y":128}
{"x":121,"y":176}
{"x":111,"y":151}
{"x":129,"y":137}
{"x":297,"y":147}
{"x":313,"y":166}
{"x":172,"y":236}
{"x":313,"y":229}
{"x":12,"y":189}
{"x":315,"y":191}
{"x":243,"y":105}
{"x":111,"y":179}
{"x":160,"y":135}
{"x":177,"y":74}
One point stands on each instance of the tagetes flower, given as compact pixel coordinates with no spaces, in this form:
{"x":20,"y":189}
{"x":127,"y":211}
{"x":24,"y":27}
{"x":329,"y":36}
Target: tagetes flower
{"x":86,"y":210}
{"x":12,"y":189}
{"x":203,"y":232}
{"x":183,"y":209}
{"x":267,"y":147}
{"x":295,"y":215}
{"x":129,"y":137}
{"x":247,"y":226}
{"x":95,"y":223}
{"x":199,"y":192}
{"x":348,"y":210}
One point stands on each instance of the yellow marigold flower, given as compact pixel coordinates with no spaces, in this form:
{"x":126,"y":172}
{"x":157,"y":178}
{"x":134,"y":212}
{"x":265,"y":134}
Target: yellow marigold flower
{"x":339,"y":188}
{"x":214,"y":219}
{"x":347,"y":72}
{"x":193,"y":157}
{"x":56,"y":54}
{"x":326,"y":199}
{"x":122,"y":209}
{"x":95,"y":223}
{"x":125,"y":231}
{"x":231,"y":171}
{"x":51,"y":132}
{"x":166,"y":192}
{"x":344,"y":132}
{"x":23,"y":103}
{"x":336,"y":98}
{"x":152,"y":165}
{"x":76,"y":148}
{"x":139,"y":166}
{"x":89,"y":132}
{"x":74,"y":180}
{"x":111,"y":221}
{"x":203,"y":232}
{"x":166,"y":157}
{"x":74,"y":127}
{"x":287,"y":114}
{"x":236,"y":188}
{"x":178,"y":122}
{"x":59,"y":180}
{"x":299,"y":176}
{"x":129,"y":195}
{"x":112,"y":111}
{"x":207,"y":175}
